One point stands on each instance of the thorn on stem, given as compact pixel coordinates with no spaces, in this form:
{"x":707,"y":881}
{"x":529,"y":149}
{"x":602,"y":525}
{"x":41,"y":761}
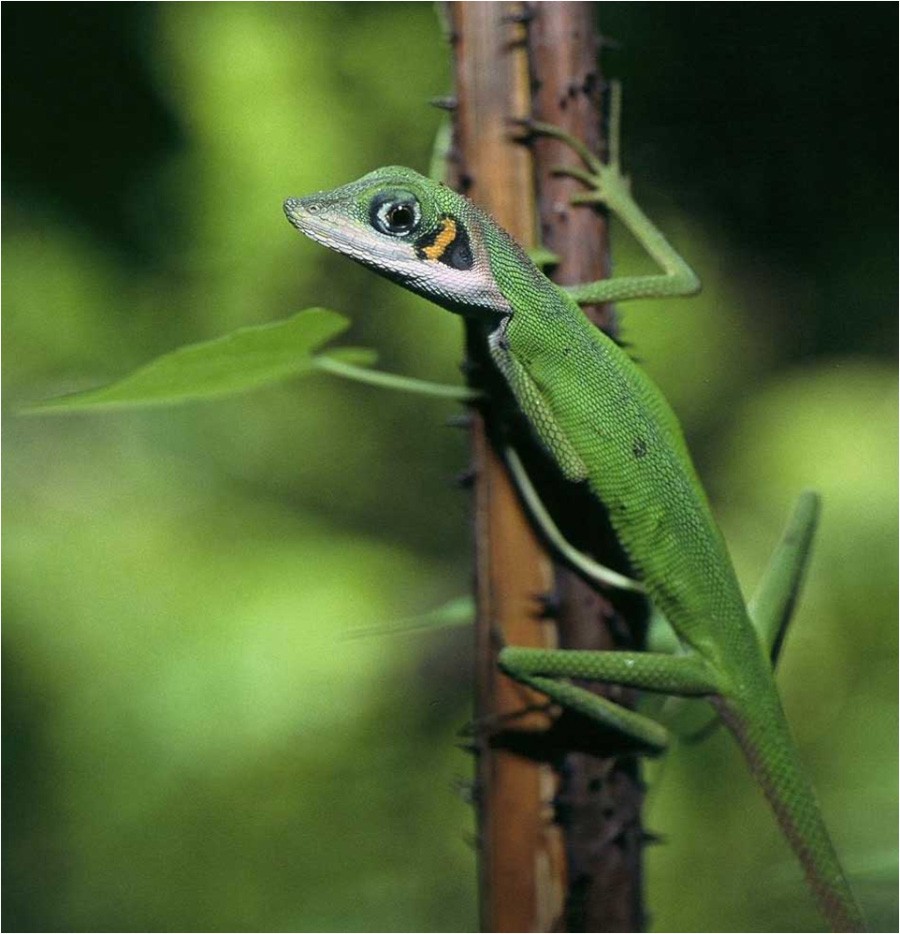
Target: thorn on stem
{"x":461,"y":420}
{"x":465,"y":480}
{"x":447,"y":102}
{"x":650,"y":838}
{"x":549,"y":604}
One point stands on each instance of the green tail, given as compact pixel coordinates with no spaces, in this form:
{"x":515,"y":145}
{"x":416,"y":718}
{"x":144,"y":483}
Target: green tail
{"x":793,"y":800}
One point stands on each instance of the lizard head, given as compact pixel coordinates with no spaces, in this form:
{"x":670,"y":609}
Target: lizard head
{"x":410,"y":229}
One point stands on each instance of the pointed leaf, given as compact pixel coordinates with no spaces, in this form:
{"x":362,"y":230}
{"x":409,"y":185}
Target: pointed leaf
{"x":243,"y":360}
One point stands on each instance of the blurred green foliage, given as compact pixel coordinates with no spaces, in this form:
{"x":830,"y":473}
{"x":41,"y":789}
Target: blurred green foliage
{"x":192,"y":742}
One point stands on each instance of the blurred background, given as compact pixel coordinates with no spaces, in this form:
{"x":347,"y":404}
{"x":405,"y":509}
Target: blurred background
{"x":193,"y":736}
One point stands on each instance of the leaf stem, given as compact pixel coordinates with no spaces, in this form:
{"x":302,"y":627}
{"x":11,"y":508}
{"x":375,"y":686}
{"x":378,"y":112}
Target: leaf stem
{"x":394,"y":381}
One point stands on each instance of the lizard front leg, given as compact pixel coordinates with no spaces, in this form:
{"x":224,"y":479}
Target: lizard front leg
{"x":608,"y":186}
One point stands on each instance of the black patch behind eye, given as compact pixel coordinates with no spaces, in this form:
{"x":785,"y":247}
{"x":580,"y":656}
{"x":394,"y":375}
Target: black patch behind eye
{"x":447,"y":244}
{"x":459,"y":253}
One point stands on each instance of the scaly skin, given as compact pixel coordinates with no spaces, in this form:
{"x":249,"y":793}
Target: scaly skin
{"x":605,"y":424}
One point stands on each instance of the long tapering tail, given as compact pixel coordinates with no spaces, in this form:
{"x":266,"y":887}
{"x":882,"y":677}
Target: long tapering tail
{"x":770,"y":752}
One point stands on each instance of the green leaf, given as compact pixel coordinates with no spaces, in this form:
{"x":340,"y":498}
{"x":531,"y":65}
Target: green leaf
{"x":243,"y":360}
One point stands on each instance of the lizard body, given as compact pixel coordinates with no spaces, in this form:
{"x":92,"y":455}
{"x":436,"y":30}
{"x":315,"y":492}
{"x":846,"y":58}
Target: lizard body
{"x":604,"y":423}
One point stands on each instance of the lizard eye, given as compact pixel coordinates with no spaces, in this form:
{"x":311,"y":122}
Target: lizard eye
{"x":395,"y":213}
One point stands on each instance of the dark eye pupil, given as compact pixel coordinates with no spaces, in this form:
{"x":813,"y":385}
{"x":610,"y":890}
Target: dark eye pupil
{"x":395,"y":213}
{"x":400,"y":215}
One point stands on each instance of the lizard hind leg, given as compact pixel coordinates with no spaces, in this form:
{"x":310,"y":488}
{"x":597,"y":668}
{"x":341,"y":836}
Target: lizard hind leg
{"x":542,"y":670}
{"x":653,"y":737}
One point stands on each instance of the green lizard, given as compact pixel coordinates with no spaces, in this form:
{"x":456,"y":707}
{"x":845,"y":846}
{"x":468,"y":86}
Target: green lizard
{"x":604,"y":424}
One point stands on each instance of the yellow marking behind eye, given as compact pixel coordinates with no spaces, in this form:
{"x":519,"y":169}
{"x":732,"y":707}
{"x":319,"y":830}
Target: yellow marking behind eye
{"x":447,"y":235}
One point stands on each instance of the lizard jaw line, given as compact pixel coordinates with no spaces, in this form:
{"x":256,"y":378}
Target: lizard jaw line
{"x":396,"y":258}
